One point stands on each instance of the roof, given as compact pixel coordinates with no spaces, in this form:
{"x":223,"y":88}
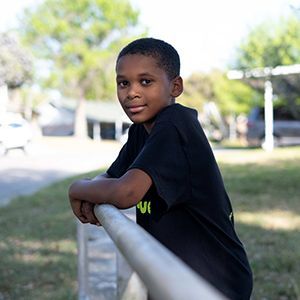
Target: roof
{"x":101,"y":111}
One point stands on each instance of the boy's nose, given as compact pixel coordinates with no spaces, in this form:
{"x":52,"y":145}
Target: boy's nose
{"x":133,"y":92}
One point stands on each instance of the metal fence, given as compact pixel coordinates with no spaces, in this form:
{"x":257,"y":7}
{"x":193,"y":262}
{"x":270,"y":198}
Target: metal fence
{"x":164,"y":275}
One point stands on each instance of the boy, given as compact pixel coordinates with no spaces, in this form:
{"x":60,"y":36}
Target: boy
{"x":167,"y":169}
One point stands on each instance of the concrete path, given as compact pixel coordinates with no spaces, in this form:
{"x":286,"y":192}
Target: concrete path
{"x":49,"y":160}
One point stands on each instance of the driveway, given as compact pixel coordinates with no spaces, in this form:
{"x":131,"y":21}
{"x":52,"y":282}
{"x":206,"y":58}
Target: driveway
{"x":50,"y":159}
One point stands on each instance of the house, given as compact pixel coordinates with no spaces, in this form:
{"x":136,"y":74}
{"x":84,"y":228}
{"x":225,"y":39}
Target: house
{"x":105,"y":119}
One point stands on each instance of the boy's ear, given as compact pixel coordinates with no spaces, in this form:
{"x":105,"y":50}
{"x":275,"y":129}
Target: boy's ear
{"x":177,"y":87}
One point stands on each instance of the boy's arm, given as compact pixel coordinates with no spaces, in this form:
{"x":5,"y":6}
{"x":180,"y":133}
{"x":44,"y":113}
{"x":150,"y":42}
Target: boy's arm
{"x":84,"y":210}
{"x":123,"y":192}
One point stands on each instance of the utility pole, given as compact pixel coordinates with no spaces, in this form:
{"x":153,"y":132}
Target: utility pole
{"x":266,"y":73}
{"x":268,"y":144}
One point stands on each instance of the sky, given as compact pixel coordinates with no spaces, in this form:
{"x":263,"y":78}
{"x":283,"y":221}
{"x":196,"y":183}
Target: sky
{"x":205,"y":33}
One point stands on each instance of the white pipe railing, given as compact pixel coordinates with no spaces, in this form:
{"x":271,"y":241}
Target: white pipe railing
{"x":165,"y":276}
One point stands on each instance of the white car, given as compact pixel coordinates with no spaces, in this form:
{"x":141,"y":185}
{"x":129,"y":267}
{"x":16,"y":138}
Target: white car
{"x":15,"y":132}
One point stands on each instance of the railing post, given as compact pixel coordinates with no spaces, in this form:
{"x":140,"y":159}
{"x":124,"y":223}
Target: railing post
{"x":82,"y":264}
{"x":129,"y":284}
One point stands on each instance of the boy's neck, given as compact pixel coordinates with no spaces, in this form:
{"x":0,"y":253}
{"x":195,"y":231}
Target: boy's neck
{"x":149,"y":124}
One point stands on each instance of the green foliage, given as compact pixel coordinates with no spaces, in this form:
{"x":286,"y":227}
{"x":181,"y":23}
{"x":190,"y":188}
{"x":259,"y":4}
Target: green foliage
{"x":198,"y":89}
{"x":80,"y":40}
{"x":234,"y":97}
{"x":267,"y":45}
{"x":230,"y":96}
{"x":271,"y":44}
{"x":15,"y":62}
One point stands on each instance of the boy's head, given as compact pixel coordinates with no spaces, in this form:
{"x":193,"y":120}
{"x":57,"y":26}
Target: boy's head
{"x":147,"y":75}
{"x":165,"y":55}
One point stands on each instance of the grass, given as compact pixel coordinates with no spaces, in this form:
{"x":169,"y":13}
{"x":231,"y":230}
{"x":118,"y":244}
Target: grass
{"x":38,"y":233}
{"x":265,"y":193}
{"x":38,"y":246}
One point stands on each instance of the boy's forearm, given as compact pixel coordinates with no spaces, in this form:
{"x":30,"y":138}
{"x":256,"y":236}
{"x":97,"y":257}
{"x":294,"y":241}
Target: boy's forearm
{"x":102,"y":189}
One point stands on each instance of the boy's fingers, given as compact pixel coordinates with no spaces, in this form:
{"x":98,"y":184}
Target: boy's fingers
{"x":87,"y":210}
{"x":76,"y":207}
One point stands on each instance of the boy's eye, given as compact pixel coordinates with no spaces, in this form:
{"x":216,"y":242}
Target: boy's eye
{"x":123,"y":83}
{"x":145,"y":81}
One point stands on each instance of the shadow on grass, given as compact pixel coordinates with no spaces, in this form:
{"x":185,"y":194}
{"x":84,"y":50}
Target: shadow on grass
{"x":38,"y":246}
{"x":37,"y":272}
{"x":274,"y":257}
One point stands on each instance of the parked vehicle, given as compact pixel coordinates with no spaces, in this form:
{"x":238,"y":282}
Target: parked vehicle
{"x":286,"y":126}
{"x":15,"y":132}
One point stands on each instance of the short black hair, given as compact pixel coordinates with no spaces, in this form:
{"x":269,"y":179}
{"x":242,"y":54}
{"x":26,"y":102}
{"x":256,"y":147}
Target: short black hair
{"x":165,"y":54}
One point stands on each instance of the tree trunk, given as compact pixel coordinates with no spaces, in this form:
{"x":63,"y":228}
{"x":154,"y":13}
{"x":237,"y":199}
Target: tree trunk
{"x":80,"y":122}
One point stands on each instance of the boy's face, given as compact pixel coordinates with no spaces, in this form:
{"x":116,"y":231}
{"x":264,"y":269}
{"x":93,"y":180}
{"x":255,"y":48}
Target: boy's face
{"x":144,"y":88}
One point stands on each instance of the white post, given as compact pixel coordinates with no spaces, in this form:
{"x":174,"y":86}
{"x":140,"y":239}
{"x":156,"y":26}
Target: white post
{"x":118,"y":129}
{"x":82,"y":266}
{"x":269,"y":138}
{"x":96,"y":131}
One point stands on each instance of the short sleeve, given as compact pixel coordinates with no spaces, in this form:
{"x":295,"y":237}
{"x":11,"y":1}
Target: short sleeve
{"x":121,"y":164}
{"x":136,"y":140}
{"x":163,"y":158}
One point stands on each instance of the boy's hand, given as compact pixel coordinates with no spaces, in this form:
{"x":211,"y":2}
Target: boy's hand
{"x":87,"y":210}
{"x":84,"y":211}
{"x":76,"y":207}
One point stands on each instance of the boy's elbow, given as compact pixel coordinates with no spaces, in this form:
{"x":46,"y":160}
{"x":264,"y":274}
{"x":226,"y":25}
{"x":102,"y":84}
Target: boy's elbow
{"x":125,"y":197}
{"x":129,"y":189}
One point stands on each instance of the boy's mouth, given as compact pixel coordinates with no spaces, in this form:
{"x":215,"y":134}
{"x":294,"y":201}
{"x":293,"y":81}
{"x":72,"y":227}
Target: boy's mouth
{"x":135,"y":108}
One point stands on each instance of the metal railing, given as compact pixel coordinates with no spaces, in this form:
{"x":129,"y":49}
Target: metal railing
{"x":165,"y":276}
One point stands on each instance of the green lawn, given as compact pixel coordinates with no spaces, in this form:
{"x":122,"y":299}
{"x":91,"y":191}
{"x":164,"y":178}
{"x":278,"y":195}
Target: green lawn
{"x":265,"y":193}
{"x":38,"y":233}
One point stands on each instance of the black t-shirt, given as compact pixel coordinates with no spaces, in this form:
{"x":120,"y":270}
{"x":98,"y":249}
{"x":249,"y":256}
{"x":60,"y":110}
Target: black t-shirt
{"x":187,"y":208}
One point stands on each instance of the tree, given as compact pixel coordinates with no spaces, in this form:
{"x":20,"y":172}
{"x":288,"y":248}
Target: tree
{"x":271,"y":44}
{"x":234,"y":97}
{"x":79,"y":40}
{"x":218,"y":98}
{"x":230,"y":96}
{"x":15,"y":62}
{"x":198,"y":89}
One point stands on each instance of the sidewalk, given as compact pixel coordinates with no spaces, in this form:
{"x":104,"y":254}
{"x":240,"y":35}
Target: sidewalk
{"x":51,"y":159}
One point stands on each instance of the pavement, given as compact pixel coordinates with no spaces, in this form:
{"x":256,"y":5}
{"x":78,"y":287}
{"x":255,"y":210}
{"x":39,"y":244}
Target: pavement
{"x":50,"y":159}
